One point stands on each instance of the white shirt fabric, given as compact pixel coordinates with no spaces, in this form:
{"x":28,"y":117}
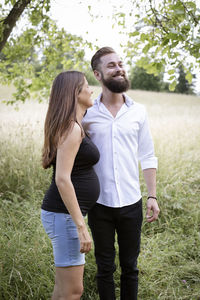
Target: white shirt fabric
{"x":122,"y":142}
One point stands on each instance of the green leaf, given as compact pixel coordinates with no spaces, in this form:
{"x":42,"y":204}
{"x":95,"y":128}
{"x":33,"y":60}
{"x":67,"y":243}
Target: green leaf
{"x":143,"y":37}
{"x":158,"y":49}
{"x":191,"y":4}
{"x":146,"y":48}
{"x":172,"y":85}
{"x":152,"y":68}
{"x":166,"y":49}
{"x":173,"y":36}
{"x":165,"y":41}
{"x":174,"y":44}
{"x":189,"y":77}
{"x":134,"y":33}
{"x":179,"y":11}
{"x":172,"y":77}
{"x":170,"y":72}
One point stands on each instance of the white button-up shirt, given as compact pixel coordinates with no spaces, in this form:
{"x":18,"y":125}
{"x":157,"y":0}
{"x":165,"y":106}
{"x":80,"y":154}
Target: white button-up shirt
{"x":122,"y":142}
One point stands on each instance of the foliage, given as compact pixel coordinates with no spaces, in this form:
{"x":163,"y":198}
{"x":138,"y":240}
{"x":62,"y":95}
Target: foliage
{"x":163,"y":33}
{"x":32,"y":59}
{"x":35,"y":11}
{"x":169,"y":261}
{"x":141,"y":80}
{"x":183,"y":85}
{"x":90,"y":76}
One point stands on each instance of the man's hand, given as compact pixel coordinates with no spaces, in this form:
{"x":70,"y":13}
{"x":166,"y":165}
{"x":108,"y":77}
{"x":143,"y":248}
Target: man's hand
{"x":152,"y":210}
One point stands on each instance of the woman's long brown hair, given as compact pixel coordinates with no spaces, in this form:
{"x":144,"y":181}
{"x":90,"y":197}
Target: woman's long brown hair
{"x":61,"y":112}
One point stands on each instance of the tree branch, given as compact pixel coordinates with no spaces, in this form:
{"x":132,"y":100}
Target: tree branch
{"x":10,"y":21}
{"x":157,"y":20}
{"x":196,"y":21}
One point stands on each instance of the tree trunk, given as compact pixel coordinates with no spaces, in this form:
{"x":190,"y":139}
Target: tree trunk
{"x":11,"y":19}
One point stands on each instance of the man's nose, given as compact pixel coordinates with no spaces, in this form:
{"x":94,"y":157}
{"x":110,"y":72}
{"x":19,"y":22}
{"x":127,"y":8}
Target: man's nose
{"x":118,"y":68}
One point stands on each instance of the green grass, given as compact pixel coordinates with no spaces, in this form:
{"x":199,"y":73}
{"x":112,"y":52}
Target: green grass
{"x":169,"y":262}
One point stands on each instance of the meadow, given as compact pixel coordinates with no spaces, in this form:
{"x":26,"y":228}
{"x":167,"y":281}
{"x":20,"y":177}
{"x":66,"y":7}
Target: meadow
{"x":169,"y":261}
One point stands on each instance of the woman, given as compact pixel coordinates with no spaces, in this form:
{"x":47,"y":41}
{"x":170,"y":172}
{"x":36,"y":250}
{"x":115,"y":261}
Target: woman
{"x":74,"y":187}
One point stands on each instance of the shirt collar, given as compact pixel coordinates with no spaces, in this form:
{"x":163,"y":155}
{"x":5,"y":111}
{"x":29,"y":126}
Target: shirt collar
{"x":128,"y":100}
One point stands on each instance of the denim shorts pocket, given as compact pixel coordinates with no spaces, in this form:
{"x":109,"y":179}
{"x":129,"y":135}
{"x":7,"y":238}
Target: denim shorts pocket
{"x":48,"y":221}
{"x":71,"y":228}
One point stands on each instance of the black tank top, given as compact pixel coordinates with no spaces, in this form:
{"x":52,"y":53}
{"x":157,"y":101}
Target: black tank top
{"x":83,"y":177}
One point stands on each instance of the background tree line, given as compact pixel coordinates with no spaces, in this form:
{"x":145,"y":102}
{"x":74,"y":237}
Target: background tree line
{"x":142,"y":80}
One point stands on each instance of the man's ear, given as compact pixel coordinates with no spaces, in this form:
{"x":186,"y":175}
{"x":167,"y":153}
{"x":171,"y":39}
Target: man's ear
{"x":97,"y":75}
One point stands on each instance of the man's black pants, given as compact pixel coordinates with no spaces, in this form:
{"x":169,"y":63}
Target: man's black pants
{"x":104,"y":222}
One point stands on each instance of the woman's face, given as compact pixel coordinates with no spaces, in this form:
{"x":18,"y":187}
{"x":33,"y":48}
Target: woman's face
{"x":84,"y":97}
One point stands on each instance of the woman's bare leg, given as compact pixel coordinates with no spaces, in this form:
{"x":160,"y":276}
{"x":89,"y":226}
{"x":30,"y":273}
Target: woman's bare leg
{"x":68,"y":283}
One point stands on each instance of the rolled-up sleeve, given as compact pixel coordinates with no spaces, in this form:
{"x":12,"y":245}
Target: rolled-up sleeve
{"x":146,"y":154}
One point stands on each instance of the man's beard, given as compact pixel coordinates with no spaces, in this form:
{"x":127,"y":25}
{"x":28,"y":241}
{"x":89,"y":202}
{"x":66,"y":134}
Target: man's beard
{"x":116,"y":86}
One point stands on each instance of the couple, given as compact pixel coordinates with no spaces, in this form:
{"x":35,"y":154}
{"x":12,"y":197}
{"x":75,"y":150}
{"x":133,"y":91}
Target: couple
{"x":112,"y":136}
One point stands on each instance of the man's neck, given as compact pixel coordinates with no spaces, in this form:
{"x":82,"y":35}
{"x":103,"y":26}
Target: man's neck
{"x":112,"y":101}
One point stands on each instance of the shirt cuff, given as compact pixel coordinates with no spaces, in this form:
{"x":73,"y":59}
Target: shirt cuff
{"x":149,"y":163}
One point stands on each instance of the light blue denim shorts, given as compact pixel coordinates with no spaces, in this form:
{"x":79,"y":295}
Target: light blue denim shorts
{"x":63,"y":233}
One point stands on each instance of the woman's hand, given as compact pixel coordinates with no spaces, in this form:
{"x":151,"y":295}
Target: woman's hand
{"x":85,"y":239}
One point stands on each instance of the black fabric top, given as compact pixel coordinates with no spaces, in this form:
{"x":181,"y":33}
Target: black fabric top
{"x":83,"y":177}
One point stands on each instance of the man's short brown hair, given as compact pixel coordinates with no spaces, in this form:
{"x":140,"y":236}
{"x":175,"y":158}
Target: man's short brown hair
{"x":95,"y":61}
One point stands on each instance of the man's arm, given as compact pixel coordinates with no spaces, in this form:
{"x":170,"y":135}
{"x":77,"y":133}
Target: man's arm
{"x":152,"y":205}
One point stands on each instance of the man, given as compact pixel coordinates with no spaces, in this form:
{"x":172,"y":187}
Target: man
{"x":119,"y":128}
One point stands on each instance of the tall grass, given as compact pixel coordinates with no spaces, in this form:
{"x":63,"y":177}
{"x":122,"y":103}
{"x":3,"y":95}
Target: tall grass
{"x":169,"y":262}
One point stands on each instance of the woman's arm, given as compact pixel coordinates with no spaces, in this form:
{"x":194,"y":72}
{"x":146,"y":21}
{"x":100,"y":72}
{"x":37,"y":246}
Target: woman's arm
{"x":66,"y":154}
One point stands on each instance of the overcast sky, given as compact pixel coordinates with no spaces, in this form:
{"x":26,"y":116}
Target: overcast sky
{"x":74,"y":16}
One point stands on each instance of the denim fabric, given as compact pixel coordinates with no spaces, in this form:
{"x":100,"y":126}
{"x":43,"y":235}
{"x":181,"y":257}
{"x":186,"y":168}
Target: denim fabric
{"x":64,"y":237}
